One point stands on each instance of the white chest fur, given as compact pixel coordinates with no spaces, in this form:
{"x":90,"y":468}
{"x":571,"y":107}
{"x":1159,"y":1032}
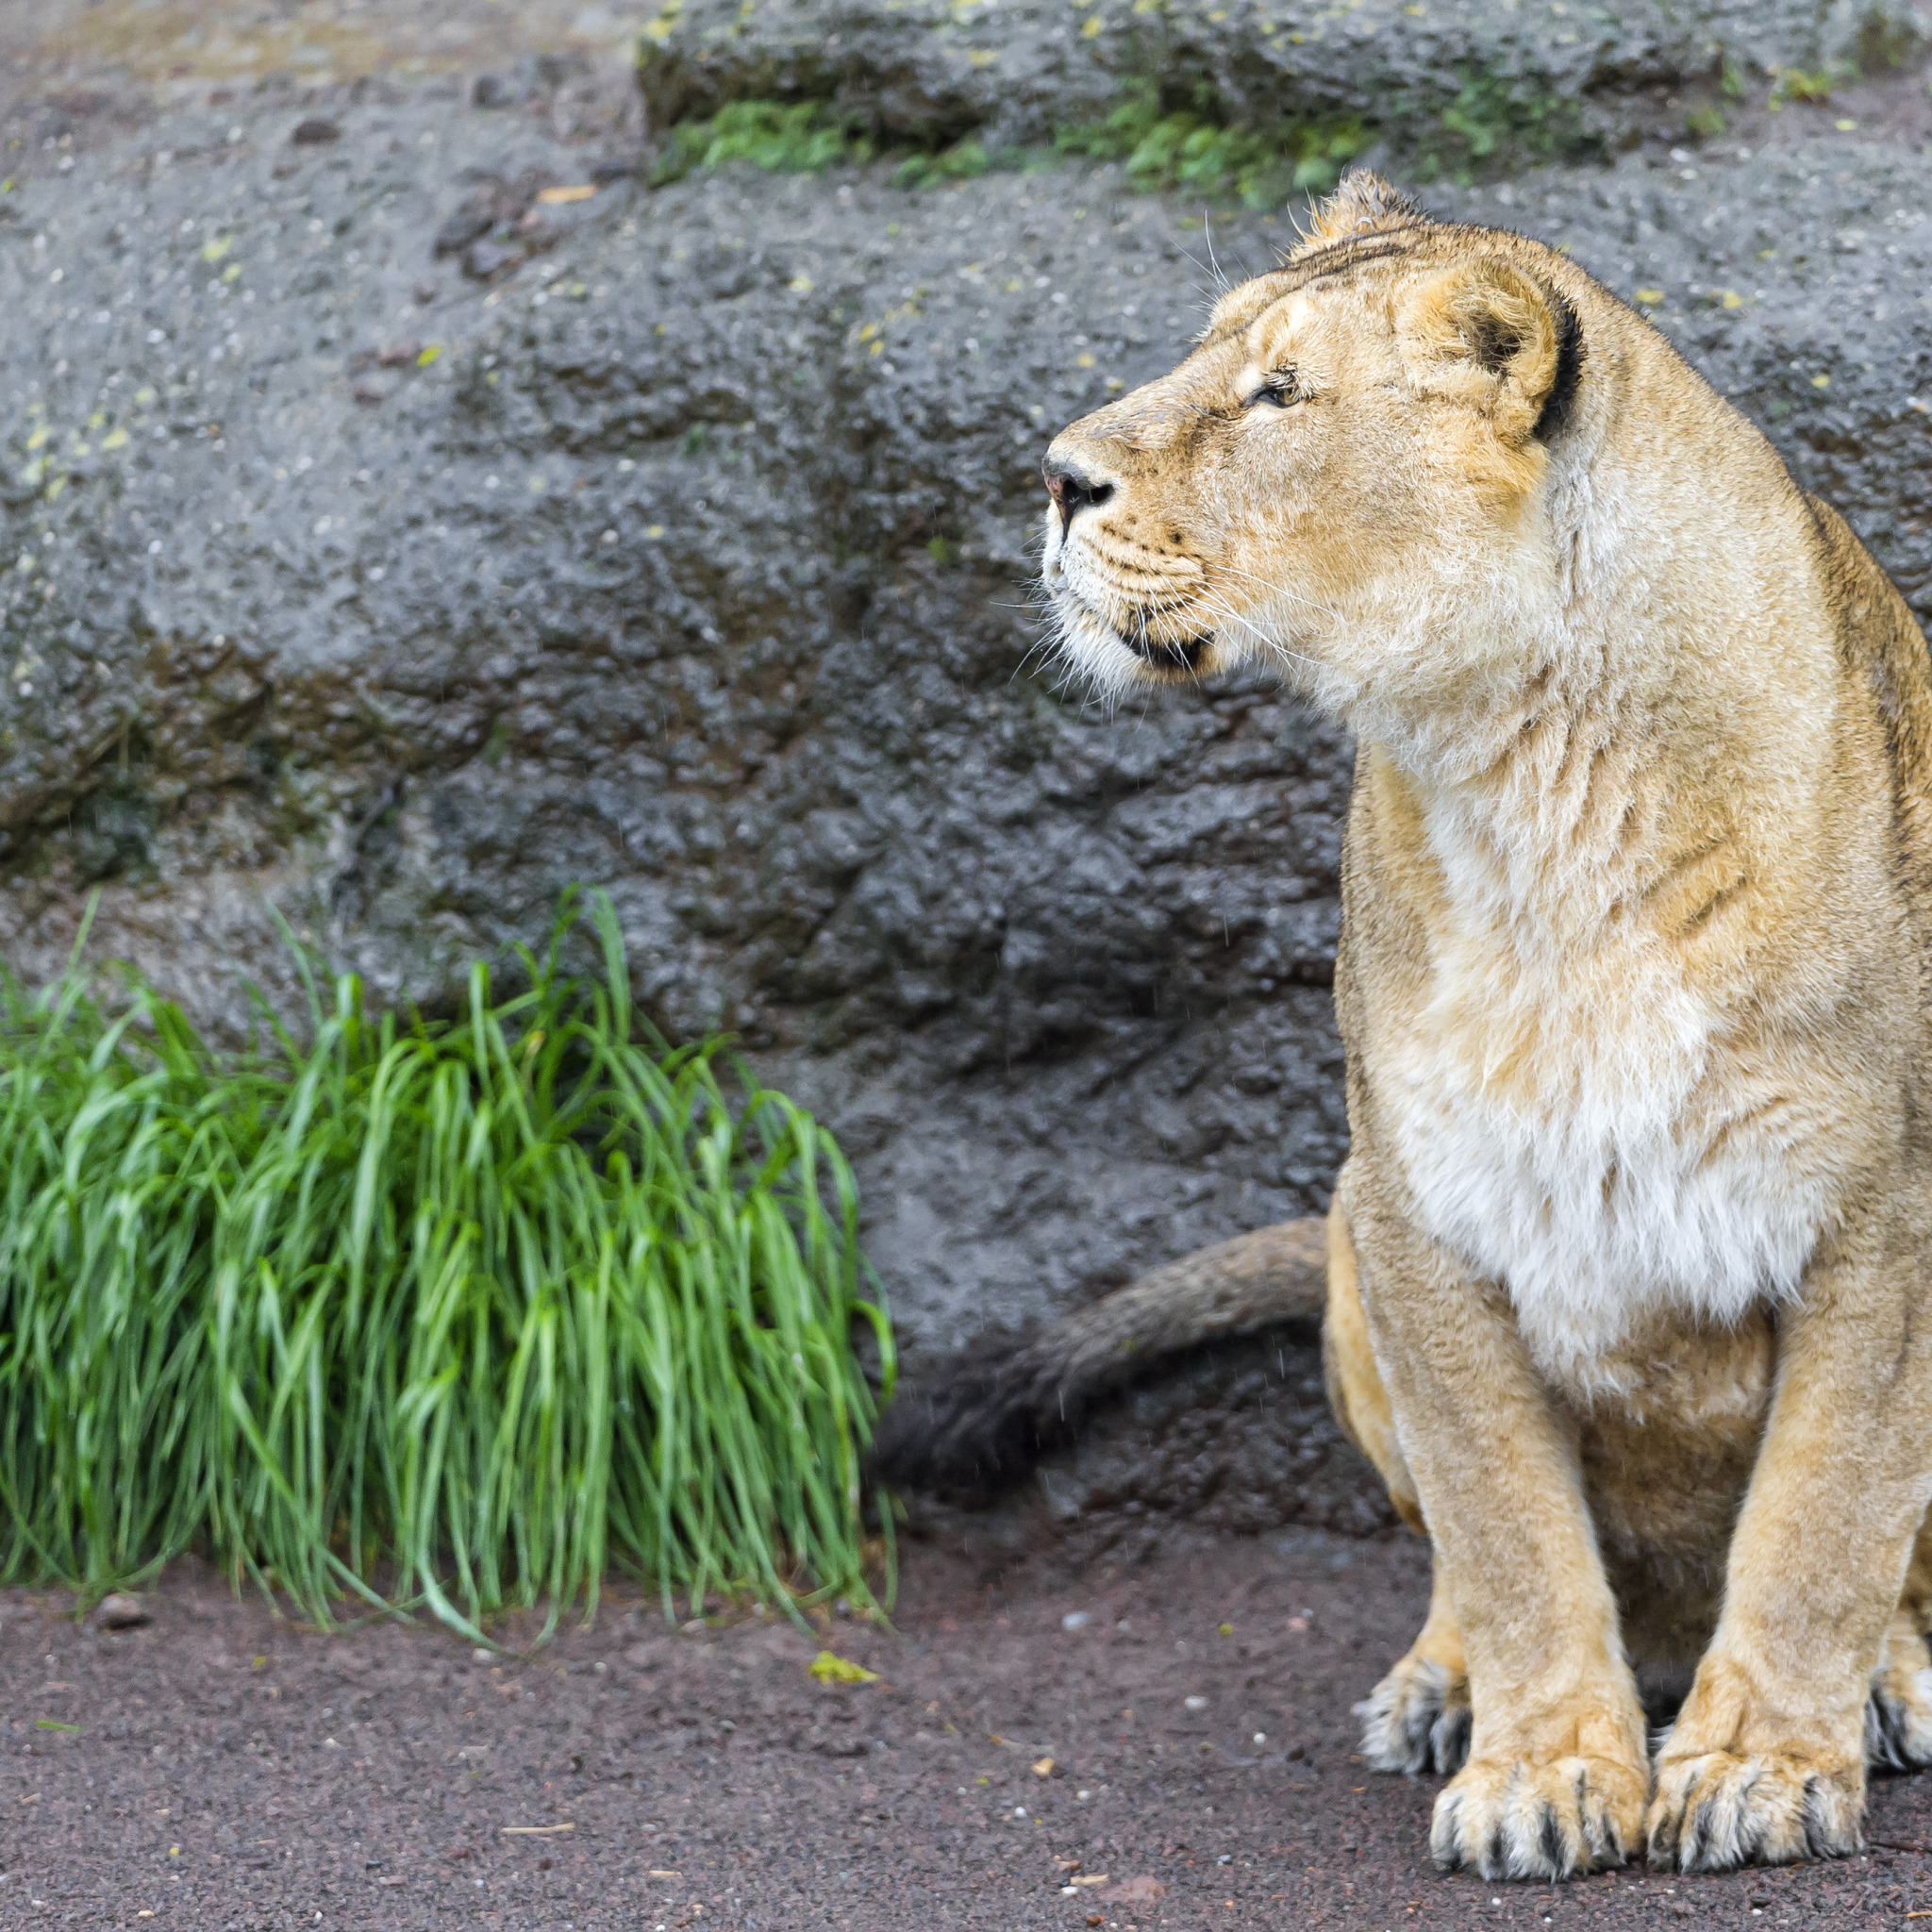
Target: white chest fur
{"x":1580,"y":1130}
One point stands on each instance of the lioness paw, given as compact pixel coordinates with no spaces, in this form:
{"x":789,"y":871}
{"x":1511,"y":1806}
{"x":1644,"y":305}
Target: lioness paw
{"x":1715,"y":1810}
{"x":1898,"y":1714}
{"x":1417,"y":1719}
{"x":1538,"y":1821}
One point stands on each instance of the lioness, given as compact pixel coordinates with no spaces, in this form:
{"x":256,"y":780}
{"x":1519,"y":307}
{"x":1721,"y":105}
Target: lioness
{"x":1627,"y":1269}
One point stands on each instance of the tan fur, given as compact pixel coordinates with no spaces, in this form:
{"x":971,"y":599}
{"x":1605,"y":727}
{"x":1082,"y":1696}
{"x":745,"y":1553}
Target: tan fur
{"x":1627,"y":1265}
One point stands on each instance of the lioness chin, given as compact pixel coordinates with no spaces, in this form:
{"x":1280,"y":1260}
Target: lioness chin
{"x":1626,"y":1262}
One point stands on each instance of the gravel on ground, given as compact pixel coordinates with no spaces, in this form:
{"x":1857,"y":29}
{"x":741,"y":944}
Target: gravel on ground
{"x":1164,"y":1745}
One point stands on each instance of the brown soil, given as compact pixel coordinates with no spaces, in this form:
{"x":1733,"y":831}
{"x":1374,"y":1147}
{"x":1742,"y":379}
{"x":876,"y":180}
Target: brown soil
{"x":222,"y":1769}
{"x":225,"y":1768}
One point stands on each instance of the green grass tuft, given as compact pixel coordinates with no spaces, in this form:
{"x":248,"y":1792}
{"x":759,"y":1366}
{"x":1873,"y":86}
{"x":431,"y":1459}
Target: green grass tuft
{"x":1494,"y":120}
{"x":1188,"y":150}
{"x":1166,"y":145}
{"x":1260,"y":167}
{"x":805,"y":138}
{"x":454,"y":1312}
{"x":963,"y":161}
{"x":1794,"y":84}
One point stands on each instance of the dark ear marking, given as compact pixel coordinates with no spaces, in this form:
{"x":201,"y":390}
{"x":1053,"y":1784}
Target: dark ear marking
{"x":1490,"y":339}
{"x":1561,"y":403}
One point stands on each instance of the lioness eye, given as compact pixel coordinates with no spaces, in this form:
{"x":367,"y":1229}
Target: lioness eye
{"x":1278,"y":388}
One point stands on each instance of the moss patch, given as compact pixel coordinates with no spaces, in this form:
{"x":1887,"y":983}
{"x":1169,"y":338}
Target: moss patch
{"x":1191,"y":148}
{"x":1164,"y":144}
{"x":801,"y":139}
{"x":1162,"y":150}
{"x":1492,"y":120}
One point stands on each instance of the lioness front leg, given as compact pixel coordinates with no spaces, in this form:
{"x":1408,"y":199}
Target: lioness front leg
{"x":1417,"y":1718}
{"x":1766,"y":1762}
{"x":1558,"y":1774}
{"x":1898,"y":1716}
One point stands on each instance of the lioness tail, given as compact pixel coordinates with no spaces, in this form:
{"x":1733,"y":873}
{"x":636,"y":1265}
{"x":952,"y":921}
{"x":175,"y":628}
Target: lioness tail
{"x":982,"y":1419}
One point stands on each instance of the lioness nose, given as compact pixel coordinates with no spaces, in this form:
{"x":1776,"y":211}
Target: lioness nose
{"x":1072,"y":490}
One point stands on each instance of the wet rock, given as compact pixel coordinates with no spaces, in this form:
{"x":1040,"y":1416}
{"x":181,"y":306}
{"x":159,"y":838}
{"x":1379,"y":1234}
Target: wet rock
{"x":484,"y":261}
{"x":493,"y":91}
{"x":1057,"y":978}
{"x":931,"y":72}
{"x":1238,"y":1438}
{"x":474,"y":219}
{"x":315,"y":132}
{"x":833,"y":1744}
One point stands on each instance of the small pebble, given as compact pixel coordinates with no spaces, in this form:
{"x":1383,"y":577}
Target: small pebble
{"x":1075,"y":1620}
{"x":1197,"y":1703}
{"x":1260,"y":1737}
{"x":315,"y":132}
{"x":119,"y":1612}
{"x":481,"y":1654}
{"x":483,"y":259}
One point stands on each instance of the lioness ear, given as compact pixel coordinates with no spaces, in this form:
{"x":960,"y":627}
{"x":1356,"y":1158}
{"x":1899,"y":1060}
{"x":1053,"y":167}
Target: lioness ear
{"x":1486,"y":335}
{"x":1363,"y":205}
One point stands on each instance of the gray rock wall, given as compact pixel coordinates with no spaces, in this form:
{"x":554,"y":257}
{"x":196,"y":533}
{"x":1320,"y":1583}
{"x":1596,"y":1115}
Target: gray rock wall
{"x":1013,"y":72}
{"x":695,"y":562}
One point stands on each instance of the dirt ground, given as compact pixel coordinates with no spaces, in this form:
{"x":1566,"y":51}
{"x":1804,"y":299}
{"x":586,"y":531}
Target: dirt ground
{"x":223,"y":1769}
{"x":1186,"y":1752}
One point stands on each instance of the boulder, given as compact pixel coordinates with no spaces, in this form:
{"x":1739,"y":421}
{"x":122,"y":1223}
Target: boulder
{"x":1441,"y":82}
{"x":691,"y":554}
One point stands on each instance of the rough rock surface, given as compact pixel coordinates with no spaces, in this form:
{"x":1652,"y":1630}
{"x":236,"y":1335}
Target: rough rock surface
{"x":1234,"y":1438}
{"x":932,"y":72}
{"x":695,"y":561}
{"x":1238,"y":1438}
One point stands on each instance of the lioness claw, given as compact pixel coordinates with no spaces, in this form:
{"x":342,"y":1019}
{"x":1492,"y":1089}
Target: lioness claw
{"x":1416,"y":1719}
{"x":1538,"y":1820}
{"x":1717,"y":1810}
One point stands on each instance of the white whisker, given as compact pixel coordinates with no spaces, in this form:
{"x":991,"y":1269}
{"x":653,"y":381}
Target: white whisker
{"x":1243,"y":621}
{"x":1280,"y":591}
{"x":1208,"y":233}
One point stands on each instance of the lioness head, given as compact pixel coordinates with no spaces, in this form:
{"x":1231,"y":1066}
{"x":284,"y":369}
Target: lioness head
{"x":1337,"y":474}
